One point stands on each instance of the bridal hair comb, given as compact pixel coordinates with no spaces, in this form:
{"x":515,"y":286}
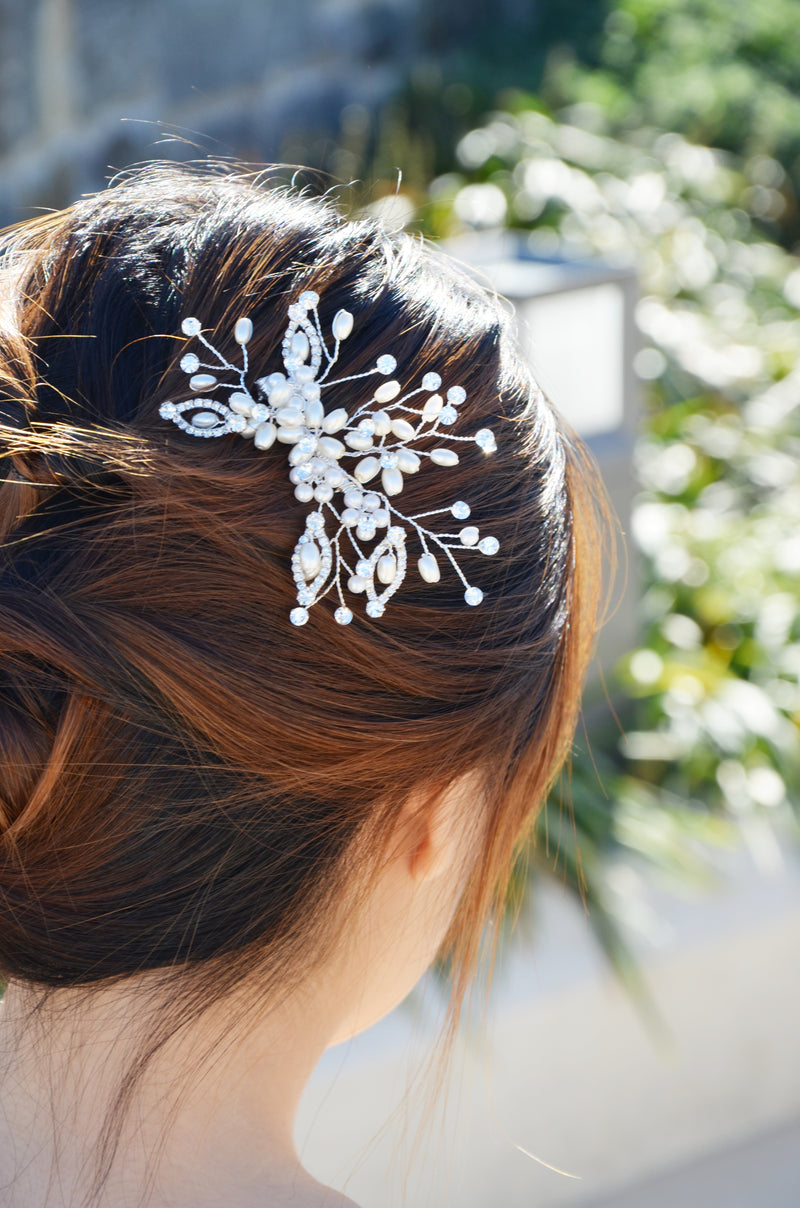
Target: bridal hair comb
{"x":381,"y":437}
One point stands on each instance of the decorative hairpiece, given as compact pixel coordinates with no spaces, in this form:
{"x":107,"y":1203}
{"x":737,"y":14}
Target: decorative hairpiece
{"x":377,"y":435}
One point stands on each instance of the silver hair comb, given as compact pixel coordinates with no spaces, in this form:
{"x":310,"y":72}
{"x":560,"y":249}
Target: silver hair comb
{"x":378,"y":436}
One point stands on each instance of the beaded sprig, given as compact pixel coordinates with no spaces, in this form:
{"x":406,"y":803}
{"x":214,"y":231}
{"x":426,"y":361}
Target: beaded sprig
{"x":377,"y":436}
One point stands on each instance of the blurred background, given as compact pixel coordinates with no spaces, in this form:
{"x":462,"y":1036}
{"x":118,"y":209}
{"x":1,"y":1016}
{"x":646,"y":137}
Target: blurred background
{"x":626,"y":173}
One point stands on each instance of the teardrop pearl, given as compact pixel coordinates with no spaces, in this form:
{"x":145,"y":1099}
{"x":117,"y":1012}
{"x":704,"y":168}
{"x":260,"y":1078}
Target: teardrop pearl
{"x":300,"y":345}
{"x":432,"y":407}
{"x":342,"y":324}
{"x":429,"y":568}
{"x":387,"y":568}
{"x":387,"y":391}
{"x":243,"y":331}
{"x":310,"y":559}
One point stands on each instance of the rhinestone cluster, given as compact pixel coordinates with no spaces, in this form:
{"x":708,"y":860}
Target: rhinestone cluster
{"x":334,"y":456}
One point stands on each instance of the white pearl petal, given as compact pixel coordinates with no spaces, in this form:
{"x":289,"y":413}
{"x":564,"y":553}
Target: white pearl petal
{"x":382,"y":422}
{"x":366,"y":469}
{"x":358,"y":441}
{"x":402,"y":429}
{"x":331,"y":447}
{"x":290,"y":417}
{"x":444,"y":457}
{"x":264,"y":437}
{"x":315,"y":413}
{"x":407,"y":461}
{"x":310,"y":559}
{"x":392,"y":481}
{"x":335,"y":421}
{"x":240,"y":403}
{"x":290,"y":436}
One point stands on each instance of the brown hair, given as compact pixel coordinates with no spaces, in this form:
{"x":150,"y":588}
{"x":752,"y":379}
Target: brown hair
{"x":183,"y":776}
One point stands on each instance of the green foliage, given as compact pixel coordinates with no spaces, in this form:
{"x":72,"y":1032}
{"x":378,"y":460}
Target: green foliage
{"x":710,"y":698}
{"x":723,"y":74}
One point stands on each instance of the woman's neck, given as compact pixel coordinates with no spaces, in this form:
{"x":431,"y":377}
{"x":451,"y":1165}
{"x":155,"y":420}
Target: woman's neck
{"x":210,"y":1120}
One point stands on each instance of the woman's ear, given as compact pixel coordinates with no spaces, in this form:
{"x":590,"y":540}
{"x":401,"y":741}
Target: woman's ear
{"x":435,"y":828}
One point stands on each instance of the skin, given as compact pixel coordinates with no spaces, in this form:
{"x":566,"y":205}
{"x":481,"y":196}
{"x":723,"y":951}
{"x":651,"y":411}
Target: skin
{"x":230,"y":1141}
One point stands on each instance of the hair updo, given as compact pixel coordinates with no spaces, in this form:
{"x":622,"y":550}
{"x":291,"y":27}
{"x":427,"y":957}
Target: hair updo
{"x":183,"y":775}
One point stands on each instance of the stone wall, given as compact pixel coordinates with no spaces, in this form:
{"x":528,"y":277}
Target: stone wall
{"x":90,"y":86}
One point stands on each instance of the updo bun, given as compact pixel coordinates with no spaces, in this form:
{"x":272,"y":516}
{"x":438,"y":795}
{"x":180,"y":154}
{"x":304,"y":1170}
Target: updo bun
{"x":182,"y":774}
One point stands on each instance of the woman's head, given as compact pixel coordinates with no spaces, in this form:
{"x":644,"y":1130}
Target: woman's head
{"x":187,"y":782}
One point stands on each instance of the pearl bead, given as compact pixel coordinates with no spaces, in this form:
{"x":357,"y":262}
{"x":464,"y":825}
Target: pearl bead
{"x":191,"y":327}
{"x":315,"y":413}
{"x":290,"y":436}
{"x":323,"y":493}
{"x":335,"y":421}
{"x":304,"y":492}
{"x":289,"y":417}
{"x":264,"y":437}
{"x":387,"y":391}
{"x":358,"y":441}
{"x":489,"y":545}
{"x":431,"y":381}
{"x":350,"y":517}
{"x":357,"y":584}
{"x":206,"y":419}
{"x":202,"y":381}
{"x":371,"y":502}
{"x":392,"y":480}
{"x":280,"y":394}
{"x":473,"y":595}
{"x":353,"y":497}
{"x":444,"y":457}
{"x":331,"y":447}
{"x":342,"y":324}
{"x":460,"y":509}
{"x":310,"y":559}
{"x":429,"y":568}
{"x":402,"y":429}
{"x":469,"y":535}
{"x":382,"y":423}
{"x":432,"y":407}
{"x":387,"y":568}
{"x":243,"y":331}
{"x":239,"y":402}
{"x":366,"y":469}
{"x":300,"y":346}
{"x":407,"y":461}
{"x":381,"y":517}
